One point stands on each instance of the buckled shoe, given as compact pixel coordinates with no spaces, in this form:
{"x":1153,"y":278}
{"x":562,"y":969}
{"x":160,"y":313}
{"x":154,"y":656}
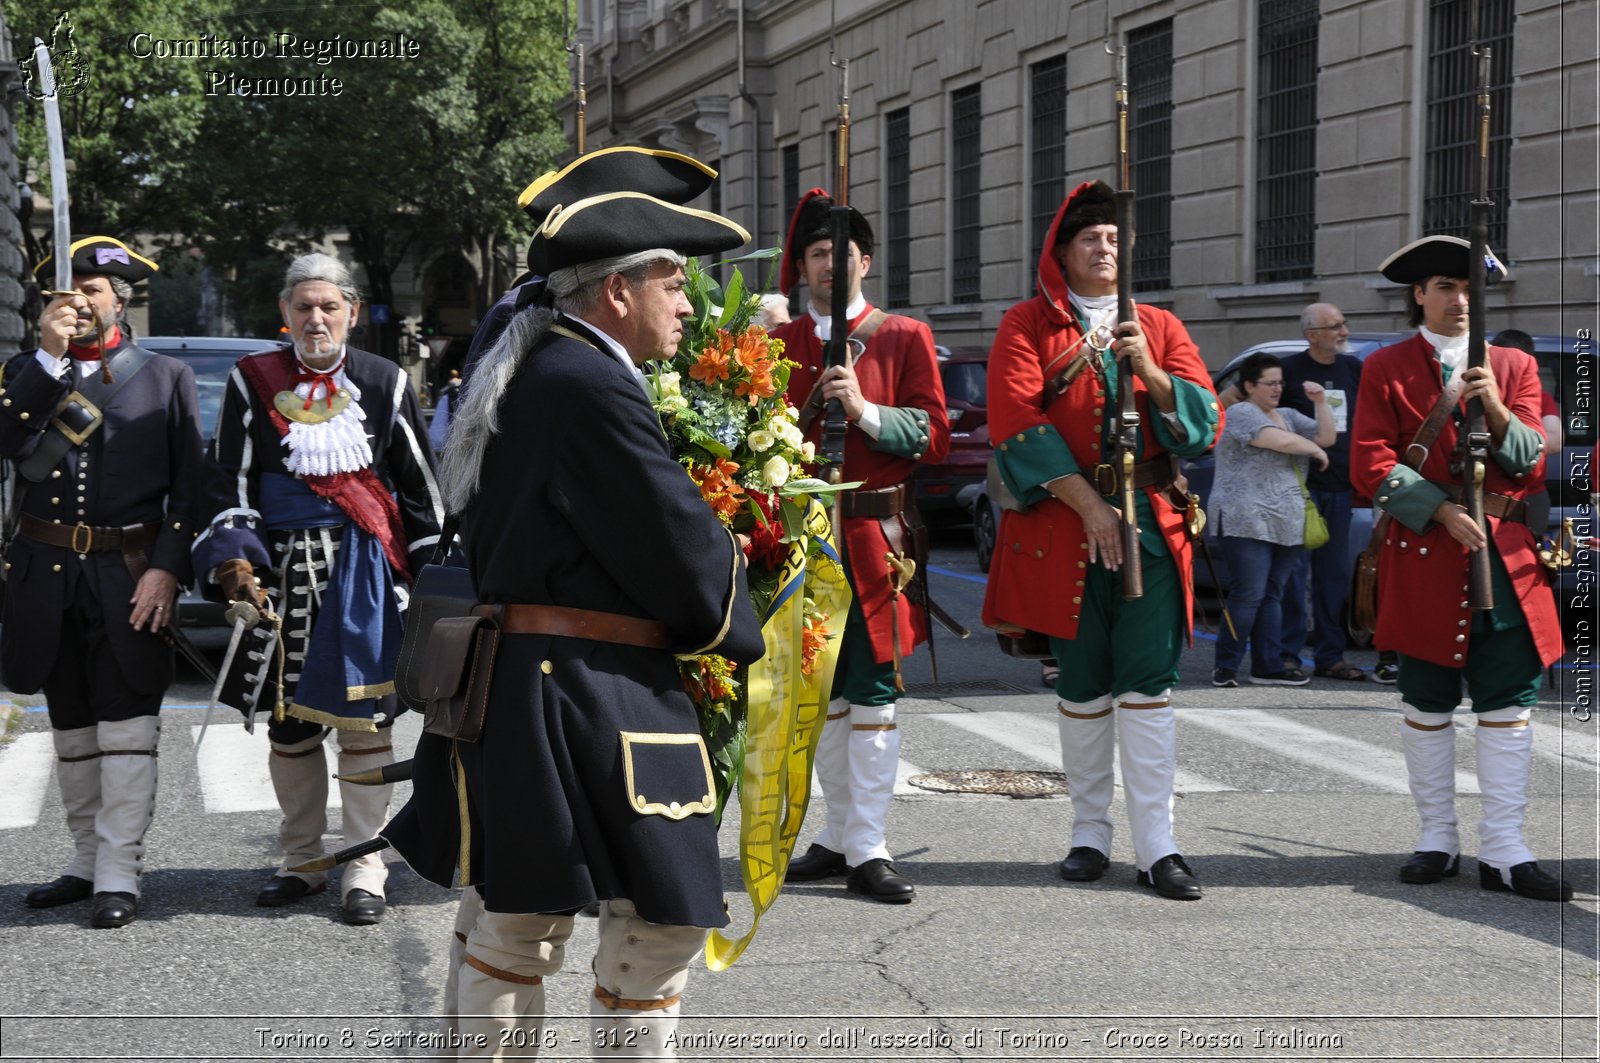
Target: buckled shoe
{"x":113,"y":910}
{"x":1426,"y":868}
{"x":878,"y":879}
{"x":1171,"y":878}
{"x":65,"y":890}
{"x":1084,"y":863}
{"x":283,"y":890}
{"x":1527,"y":880}
{"x":819,"y":862}
{"x":362,"y":908}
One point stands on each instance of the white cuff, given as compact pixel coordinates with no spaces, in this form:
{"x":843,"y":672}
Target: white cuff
{"x":56,"y":367}
{"x":871,"y":421}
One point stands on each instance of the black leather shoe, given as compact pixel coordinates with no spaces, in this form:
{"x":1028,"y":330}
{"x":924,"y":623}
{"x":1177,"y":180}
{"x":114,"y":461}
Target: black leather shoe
{"x":1084,"y":863}
{"x":1171,"y":878}
{"x":113,"y":910}
{"x":285,"y":889}
{"x":879,"y":880}
{"x":64,"y":890}
{"x":819,"y":862}
{"x":361,"y":908}
{"x":1426,"y":868}
{"x":1526,"y":880}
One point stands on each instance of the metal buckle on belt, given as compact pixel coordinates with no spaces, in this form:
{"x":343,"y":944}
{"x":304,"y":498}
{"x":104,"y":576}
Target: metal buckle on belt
{"x":1105,"y":478}
{"x":88,"y":538}
{"x":77,"y":436}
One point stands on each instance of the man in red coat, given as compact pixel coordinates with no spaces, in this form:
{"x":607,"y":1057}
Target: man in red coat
{"x":1423,"y":613}
{"x":894,"y":404}
{"x":1056,"y":568}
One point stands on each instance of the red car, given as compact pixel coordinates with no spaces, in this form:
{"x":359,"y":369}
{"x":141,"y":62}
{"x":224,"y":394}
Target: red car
{"x":964,"y":373}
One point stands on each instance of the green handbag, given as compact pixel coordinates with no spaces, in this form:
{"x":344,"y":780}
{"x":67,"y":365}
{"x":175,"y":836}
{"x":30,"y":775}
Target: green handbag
{"x":1316,"y":533}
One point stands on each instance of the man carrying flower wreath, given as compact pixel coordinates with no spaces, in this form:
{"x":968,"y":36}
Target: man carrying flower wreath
{"x":601,"y":563}
{"x":894,"y":403}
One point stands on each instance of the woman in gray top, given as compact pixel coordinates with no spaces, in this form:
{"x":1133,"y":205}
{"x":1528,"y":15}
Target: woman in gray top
{"x":1257,"y":503}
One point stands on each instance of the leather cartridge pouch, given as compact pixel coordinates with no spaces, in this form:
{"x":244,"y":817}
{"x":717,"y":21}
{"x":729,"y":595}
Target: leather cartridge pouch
{"x":441,"y":592}
{"x":457,"y":667}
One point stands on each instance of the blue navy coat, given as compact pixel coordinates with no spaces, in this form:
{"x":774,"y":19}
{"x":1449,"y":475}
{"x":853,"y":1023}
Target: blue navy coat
{"x":590,"y":780}
{"x":143,"y":465}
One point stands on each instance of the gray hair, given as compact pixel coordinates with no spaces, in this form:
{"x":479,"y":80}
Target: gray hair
{"x":573,"y":290}
{"x":122,"y":290}
{"x":1309,"y":315}
{"x":319,"y":267}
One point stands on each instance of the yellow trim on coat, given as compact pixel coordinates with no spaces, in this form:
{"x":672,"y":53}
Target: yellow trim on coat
{"x":727,"y":614}
{"x":328,"y":719}
{"x":672,"y":810}
{"x":368,"y":691}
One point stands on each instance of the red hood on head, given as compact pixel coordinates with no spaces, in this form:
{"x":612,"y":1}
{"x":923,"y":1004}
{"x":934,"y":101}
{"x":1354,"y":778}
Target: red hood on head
{"x":1052,"y":282}
{"x":789,"y":267}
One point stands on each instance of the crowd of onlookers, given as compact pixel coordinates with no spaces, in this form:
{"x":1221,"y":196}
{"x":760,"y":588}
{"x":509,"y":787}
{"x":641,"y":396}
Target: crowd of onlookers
{"x":1286,"y":440}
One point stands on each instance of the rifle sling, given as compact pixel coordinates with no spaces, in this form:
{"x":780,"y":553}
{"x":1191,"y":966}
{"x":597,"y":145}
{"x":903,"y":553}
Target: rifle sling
{"x":55,"y":444}
{"x":1416,"y":451}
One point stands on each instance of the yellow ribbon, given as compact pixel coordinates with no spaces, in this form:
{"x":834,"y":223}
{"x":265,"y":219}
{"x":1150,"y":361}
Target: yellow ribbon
{"x":785,"y":709}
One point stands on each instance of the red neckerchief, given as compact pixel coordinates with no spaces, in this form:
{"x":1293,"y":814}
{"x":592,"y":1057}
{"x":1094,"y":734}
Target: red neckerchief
{"x":361,"y":495}
{"x":95,"y":350}
{"x":325,"y":379}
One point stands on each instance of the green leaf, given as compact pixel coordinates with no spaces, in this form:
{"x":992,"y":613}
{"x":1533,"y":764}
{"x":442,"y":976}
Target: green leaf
{"x":732,"y":297}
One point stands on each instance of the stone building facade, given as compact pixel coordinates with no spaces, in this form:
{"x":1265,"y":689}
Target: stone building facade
{"x":1281,"y":148}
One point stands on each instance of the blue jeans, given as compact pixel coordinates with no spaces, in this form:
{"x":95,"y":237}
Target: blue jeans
{"x":1257,"y":573}
{"x":1328,"y":571}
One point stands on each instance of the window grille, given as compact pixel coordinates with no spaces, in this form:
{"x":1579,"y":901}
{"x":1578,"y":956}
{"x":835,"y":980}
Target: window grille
{"x":897,"y":247}
{"x":1286,"y":139}
{"x":1048,"y":156}
{"x":966,"y":120}
{"x":1150,"y":145}
{"x":1450,"y":166}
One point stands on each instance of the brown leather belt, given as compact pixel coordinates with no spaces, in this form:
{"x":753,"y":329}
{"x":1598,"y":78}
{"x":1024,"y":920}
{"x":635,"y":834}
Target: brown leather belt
{"x":80,"y":538}
{"x":1503,"y":506}
{"x":1159,"y":473}
{"x":877,"y":504}
{"x":515,"y":619}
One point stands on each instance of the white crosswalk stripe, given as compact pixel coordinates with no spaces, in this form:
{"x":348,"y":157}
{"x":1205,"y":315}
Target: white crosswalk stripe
{"x":233,"y":772}
{"x":1378,"y":766}
{"x":230,"y":774}
{"x":25,"y":769}
{"x":1039,"y":738}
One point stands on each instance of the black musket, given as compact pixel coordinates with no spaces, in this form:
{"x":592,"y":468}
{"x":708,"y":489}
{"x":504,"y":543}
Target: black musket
{"x":1127,"y":412}
{"x":833,"y":430}
{"x":1475,"y":440}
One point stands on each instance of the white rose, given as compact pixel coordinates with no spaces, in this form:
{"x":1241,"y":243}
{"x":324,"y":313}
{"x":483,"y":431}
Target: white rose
{"x":776,"y":471}
{"x":761,"y":440}
{"x":794,"y":414}
{"x":668,"y":384}
{"x":808,"y":450}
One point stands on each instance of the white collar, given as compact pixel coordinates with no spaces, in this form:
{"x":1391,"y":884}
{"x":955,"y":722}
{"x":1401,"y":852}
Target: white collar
{"x":1450,"y":350}
{"x":822,"y":324}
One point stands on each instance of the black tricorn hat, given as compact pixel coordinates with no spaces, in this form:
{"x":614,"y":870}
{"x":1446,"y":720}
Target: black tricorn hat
{"x":1092,"y":204}
{"x":810,"y":223}
{"x":1438,"y":256}
{"x":103,"y":255}
{"x":623,"y":223}
{"x":665,"y":175}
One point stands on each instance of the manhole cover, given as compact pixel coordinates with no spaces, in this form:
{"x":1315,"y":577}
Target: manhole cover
{"x":991,"y":781}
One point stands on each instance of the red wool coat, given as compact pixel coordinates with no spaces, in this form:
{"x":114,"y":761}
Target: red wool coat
{"x":898,"y":368}
{"x":1422,"y":577}
{"x":1037,"y":576}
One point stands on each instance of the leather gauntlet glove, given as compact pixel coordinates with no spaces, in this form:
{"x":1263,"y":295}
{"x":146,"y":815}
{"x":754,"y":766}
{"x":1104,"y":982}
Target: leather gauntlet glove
{"x":237,"y":579}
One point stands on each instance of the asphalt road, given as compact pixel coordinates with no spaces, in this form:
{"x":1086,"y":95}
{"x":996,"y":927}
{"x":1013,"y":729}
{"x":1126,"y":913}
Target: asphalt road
{"x":1292,"y":807}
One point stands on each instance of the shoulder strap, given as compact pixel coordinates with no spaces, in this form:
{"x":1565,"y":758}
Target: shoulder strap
{"x":92,"y":394}
{"x":869,"y":325}
{"x":1417,"y":451}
